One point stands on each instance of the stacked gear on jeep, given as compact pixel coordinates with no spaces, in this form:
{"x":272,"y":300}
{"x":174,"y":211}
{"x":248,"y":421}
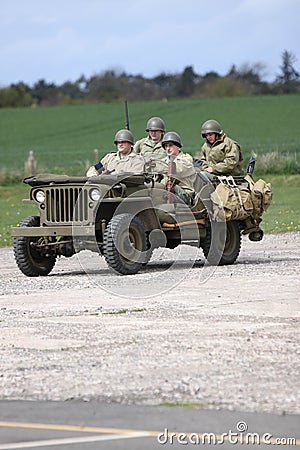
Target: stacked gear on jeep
{"x":261,"y":196}
{"x":243,"y":199}
{"x":230,"y":200}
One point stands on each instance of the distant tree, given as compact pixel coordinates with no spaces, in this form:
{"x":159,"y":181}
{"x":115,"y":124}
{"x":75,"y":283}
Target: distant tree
{"x":82,"y":83}
{"x":45,"y":94}
{"x":165,"y":84}
{"x":289,"y":77}
{"x":250,"y":76}
{"x":233,"y":72}
{"x":70,"y":89}
{"x":221,"y":87}
{"x":210,"y":76}
{"x":104,"y":87}
{"x":15,"y":95}
{"x":139,"y":88}
{"x":186,"y":82}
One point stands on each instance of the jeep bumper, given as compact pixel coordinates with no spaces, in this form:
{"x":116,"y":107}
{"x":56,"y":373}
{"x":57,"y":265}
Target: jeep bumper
{"x":64,"y":230}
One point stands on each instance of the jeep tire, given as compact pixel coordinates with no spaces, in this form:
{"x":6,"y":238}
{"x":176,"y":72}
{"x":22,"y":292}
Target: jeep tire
{"x":125,"y":244}
{"x":29,"y":260}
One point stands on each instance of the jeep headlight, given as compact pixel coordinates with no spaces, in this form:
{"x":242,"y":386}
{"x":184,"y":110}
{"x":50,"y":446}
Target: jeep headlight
{"x":95,"y":194}
{"x":40,"y":196}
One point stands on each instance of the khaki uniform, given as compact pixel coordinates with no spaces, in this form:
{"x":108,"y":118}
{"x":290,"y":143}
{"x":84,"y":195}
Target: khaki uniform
{"x":185,"y":172}
{"x":131,"y":163}
{"x":224,"y":156}
{"x":149,"y":149}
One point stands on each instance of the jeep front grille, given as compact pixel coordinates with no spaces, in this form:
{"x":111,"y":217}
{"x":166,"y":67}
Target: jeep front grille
{"x":66,"y":204}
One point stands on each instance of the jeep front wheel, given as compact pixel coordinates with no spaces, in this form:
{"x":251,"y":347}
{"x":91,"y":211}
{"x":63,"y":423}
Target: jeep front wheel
{"x":30,"y":260}
{"x":125,"y":244}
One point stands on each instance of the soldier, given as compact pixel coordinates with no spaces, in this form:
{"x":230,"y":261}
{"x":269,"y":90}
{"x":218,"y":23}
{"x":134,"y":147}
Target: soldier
{"x":220,"y":154}
{"x":122,"y":161}
{"x":185,"y":173}
{"x":151,"y":147}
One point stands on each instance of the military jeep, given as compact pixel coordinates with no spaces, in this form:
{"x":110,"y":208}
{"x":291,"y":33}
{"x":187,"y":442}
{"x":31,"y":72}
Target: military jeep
{"x":123,"y":218}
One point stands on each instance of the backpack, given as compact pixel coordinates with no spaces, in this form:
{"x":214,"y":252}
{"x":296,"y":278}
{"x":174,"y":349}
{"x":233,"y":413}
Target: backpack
{"x":261,"y":195}
{"x":231,"y":201}
{"x":237,"y":202}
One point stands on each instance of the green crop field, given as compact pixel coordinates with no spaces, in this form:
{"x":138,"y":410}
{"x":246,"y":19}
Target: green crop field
{"x":63,"y":138}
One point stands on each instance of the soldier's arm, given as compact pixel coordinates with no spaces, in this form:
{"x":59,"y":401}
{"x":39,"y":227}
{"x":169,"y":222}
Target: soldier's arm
{"x":137,"y":164}
{"x":184,"y":166}
{"x":204,"y":164}
{"x":97,"y":169}
{"x":231,"y":159}
{"x":92,"y":172}
{"x":137,"y":147}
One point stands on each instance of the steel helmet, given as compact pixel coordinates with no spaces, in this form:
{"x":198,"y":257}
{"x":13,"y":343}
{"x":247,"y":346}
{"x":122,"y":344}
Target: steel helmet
{"x":211,"y":126}
{"x":171,"y":136}
{"x":124,"y":135}
{"x":156,"y":123}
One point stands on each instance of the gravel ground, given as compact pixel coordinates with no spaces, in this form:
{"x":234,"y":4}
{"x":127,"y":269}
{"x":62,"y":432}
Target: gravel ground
{"x":221,"y":338}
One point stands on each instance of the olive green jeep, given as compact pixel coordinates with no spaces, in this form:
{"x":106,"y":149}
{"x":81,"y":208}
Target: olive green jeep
{"x":124,"y":218}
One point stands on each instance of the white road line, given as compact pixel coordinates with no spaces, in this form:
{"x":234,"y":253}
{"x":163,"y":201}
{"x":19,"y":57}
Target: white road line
{"x":78,"y":440}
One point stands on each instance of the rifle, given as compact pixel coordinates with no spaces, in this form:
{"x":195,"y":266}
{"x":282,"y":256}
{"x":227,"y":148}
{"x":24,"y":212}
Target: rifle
{"x":126,"y":115}
{"x":169,"y":184}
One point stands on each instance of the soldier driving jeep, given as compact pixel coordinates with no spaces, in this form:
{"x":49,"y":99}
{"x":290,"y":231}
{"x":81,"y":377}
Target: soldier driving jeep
{"x":124,"y":160}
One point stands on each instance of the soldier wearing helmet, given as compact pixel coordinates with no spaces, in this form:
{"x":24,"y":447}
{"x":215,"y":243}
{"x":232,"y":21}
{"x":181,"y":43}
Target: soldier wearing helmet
{"x":150,"y":147}
{"x":124,"y":160}
{"x":220,"y":154}
{"x":185,"y":173}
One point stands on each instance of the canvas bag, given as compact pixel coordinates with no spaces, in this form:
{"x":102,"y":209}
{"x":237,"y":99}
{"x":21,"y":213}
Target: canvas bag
{"x":261,"y":195}
{"x":231,"y":201}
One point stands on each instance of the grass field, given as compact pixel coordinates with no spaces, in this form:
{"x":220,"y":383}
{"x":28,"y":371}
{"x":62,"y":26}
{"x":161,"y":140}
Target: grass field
{"x":282,"y":216}
{"x":63,"y":138}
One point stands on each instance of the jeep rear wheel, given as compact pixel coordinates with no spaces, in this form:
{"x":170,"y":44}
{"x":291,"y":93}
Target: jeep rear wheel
{"x":125,"y":244}
{"x":28,"y":258}
{"x":222,"y":243}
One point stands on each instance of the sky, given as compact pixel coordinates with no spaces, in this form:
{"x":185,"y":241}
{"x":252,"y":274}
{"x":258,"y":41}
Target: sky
{"x":60,"y":40}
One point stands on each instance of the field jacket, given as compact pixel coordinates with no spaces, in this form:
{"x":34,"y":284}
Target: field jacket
{"x":224,"y":156}
{"x":149,"y":149}
{"x":185,"y":172}
{"x":131,"y":163}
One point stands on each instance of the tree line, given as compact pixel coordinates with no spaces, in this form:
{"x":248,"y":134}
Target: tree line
{"x":112,"y":85}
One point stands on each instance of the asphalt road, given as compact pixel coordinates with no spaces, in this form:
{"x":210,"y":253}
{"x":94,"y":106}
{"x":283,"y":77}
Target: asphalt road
{"x":92,"y":425}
